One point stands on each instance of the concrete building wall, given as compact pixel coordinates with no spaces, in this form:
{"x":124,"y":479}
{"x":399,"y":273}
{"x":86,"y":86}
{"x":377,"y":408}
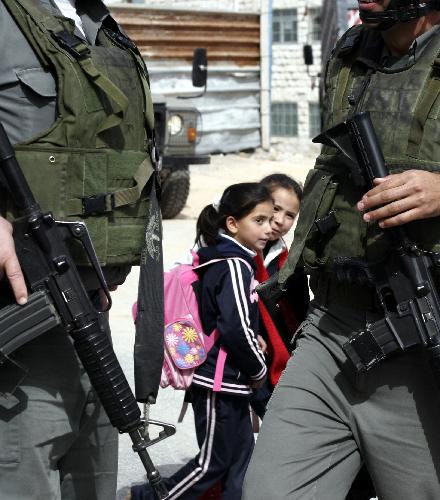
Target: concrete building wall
{"x":292,"y":81}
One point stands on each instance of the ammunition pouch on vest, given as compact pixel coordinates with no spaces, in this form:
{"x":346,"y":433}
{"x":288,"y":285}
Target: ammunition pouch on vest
{"x":404,"y":106}
{"x":93,"y":163}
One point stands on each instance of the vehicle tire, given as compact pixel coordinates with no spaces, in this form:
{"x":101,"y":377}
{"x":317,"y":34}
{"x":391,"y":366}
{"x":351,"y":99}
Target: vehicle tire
{"x":175,"y":190}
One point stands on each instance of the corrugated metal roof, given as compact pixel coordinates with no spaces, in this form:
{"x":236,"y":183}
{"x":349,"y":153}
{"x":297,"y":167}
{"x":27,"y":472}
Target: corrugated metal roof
{"x":173,"y":35}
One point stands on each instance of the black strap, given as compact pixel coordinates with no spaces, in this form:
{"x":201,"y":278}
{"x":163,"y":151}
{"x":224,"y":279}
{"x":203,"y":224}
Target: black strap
{"x":149,"y":349}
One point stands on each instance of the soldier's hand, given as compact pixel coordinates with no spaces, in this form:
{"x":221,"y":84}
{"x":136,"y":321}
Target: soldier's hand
{"x":401,"y":198}
{"x":9,"y":264}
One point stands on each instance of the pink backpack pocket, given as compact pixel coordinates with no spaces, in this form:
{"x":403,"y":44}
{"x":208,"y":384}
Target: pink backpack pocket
{"x":185,"y":344}
{"x":184,"y":352}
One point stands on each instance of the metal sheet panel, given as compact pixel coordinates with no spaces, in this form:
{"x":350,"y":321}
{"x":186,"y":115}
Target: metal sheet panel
{"x":230,"y":109}
{"x":173,"y":34}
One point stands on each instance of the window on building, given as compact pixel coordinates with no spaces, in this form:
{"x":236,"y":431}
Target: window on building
{"x":285,"y":25}
{"x":284,"y":119}
{"x":314,"y":119}
{"x":315,"y":24}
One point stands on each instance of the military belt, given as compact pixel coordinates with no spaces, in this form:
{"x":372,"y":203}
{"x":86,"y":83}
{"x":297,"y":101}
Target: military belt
{"x":328,"y":291}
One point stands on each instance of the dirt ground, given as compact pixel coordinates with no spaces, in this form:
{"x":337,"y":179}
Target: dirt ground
{"x":209,"y":181}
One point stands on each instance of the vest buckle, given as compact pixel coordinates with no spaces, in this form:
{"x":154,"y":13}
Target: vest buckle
{"x":74,"y":45}
{"x":98,"y":204}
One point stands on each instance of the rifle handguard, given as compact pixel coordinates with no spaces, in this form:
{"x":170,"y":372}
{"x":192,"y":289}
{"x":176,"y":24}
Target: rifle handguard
{"x":108,"y":380}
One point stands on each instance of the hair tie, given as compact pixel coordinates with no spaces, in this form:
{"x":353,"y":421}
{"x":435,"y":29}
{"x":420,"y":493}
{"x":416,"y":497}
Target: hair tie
{"x":216,"y":203}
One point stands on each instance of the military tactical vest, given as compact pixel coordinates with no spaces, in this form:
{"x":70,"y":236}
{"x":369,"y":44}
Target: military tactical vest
{"x":404,"y":107}
{"x":93,"y":163}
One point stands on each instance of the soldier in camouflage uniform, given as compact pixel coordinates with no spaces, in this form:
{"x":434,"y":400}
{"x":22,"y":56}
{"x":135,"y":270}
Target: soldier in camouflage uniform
{"x":324,"y":419}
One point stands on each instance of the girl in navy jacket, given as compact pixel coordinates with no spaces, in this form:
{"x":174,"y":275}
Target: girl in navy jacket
{"x":235,"y":230}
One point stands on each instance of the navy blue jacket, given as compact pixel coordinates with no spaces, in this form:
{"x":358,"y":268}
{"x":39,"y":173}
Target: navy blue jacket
{"x":228,"y":302}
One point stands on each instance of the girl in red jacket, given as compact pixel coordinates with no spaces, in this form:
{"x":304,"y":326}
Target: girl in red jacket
{"x":286,"y":194}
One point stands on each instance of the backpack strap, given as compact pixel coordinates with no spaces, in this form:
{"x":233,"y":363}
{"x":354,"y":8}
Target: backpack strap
{"x":222,"y":355}
{"x":219,"y":369}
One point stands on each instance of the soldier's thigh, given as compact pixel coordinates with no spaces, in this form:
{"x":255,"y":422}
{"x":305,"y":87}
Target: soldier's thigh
{"x":47,"y":421}
{"x":89,"y":468}
{"x":399,"y":427}
{"x":305,"y":449}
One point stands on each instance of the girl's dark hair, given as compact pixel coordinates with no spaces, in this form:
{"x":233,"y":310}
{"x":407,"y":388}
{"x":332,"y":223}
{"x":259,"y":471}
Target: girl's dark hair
{"x":237,"y":201}
{"x":275,"y":181}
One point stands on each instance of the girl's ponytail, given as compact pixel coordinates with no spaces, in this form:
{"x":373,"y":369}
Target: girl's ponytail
{"x":237,"y":201}
{"x":207,"y":226}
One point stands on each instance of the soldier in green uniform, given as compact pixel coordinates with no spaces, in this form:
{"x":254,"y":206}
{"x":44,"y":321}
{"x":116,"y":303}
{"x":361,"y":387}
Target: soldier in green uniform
{"x":324,"y":419}
{"x":76,"y":104}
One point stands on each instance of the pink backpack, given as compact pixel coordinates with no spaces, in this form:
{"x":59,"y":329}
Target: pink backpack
{"x":186,"y":346}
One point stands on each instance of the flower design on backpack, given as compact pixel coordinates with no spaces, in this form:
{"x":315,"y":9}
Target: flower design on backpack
{"x":189,"y":334}
{"x":172,"y":339}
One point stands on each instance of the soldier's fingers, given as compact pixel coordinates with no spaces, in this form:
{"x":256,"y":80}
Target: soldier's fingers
{"x":385,"y":196}
{"x":369,"y":199}
{"x":400,"y":219}
{"x":413,"y":178}
{"x":392,"y":180}
{"x":391,"y":209}
{"x":15,"y":277}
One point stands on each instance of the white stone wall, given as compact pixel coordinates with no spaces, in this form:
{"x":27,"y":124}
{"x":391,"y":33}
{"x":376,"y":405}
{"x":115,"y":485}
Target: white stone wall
{"x":291,"y":82}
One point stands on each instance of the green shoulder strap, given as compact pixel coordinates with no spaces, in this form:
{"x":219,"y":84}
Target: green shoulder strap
{"x":343,"y":78}
{"x":125,"y":43}
{"x":345,"y":52}
{"x":63,"y":39}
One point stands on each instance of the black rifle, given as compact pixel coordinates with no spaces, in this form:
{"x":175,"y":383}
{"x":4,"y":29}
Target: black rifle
{"x":404,"y":283}
{"x":58,"y":297}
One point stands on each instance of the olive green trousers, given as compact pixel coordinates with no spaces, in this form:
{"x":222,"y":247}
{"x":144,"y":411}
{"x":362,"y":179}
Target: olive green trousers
{"x":323,"y":420}
{"x":56,"y":441}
